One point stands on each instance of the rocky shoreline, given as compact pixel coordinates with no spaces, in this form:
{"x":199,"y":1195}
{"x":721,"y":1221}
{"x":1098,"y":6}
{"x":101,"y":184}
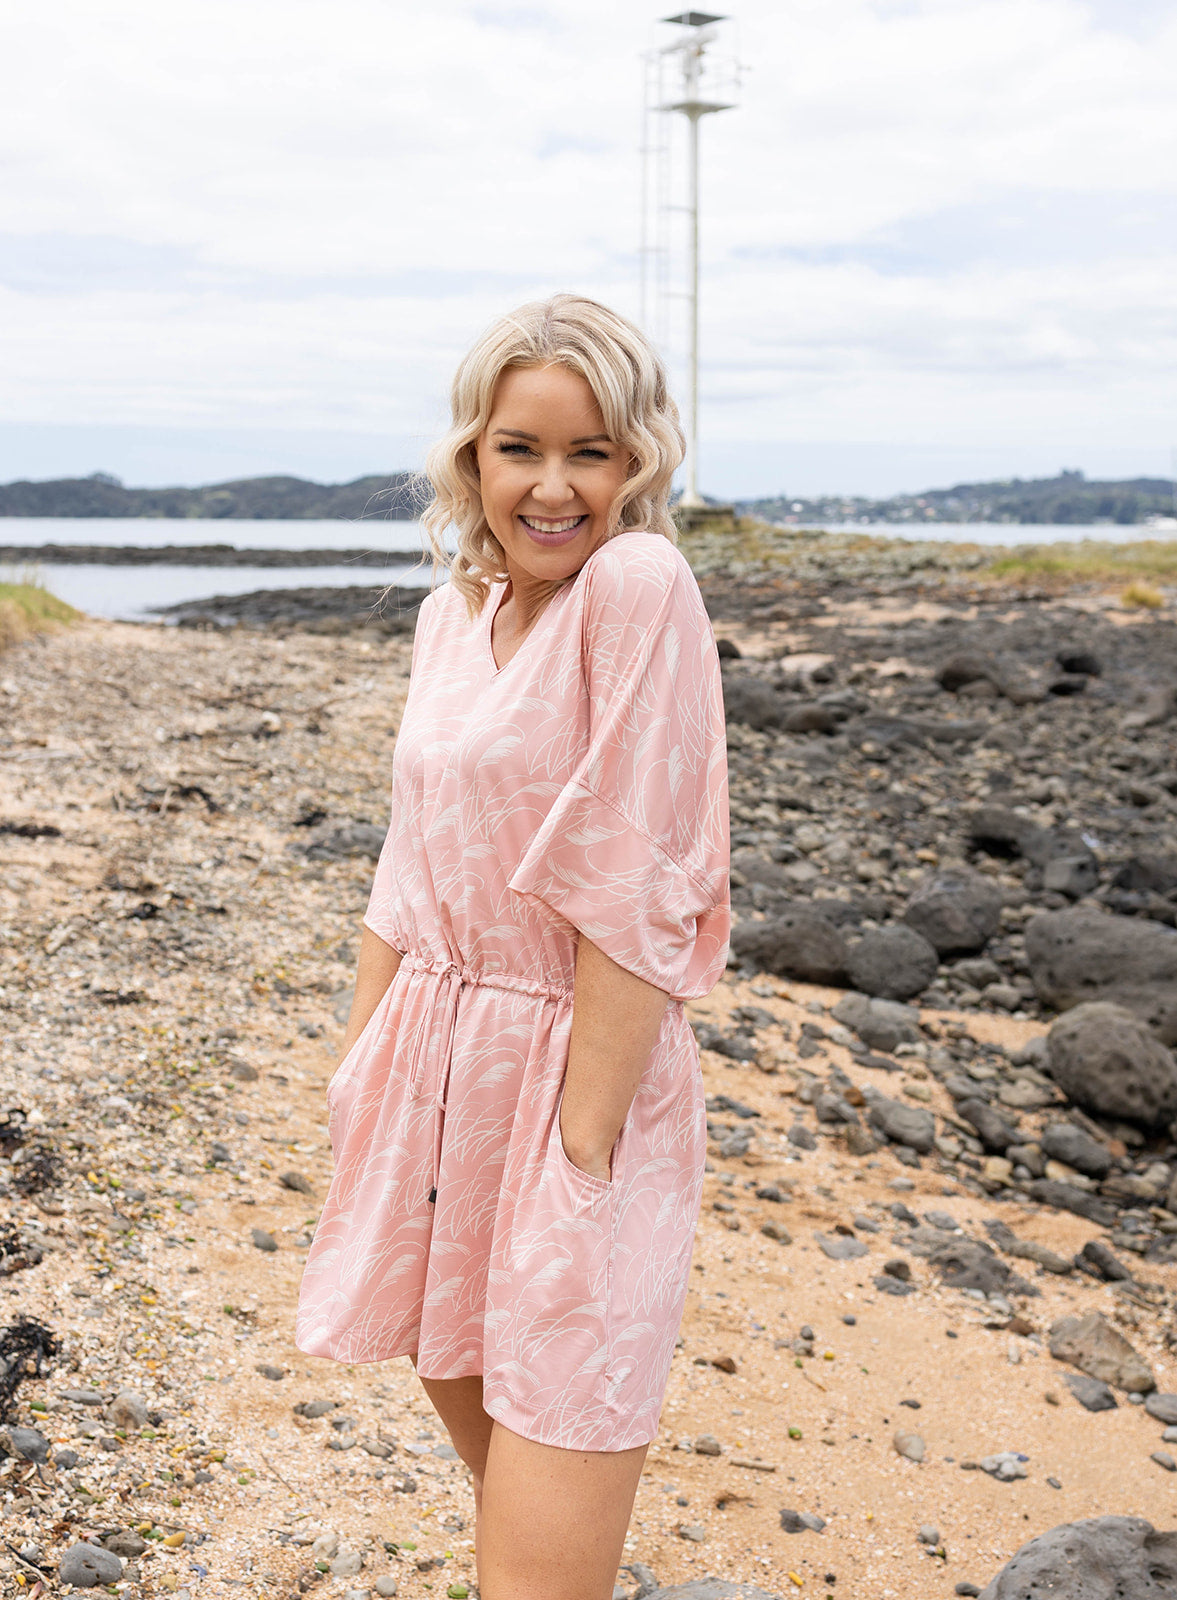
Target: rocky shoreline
{"x":932,"y":1310}
{"x":197,"y":555}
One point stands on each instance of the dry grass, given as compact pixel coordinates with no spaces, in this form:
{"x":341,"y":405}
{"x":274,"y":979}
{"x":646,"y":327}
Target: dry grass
{"x":1139,"y":593}
{"x":28,"y":608}
{"x":1146,"y":562}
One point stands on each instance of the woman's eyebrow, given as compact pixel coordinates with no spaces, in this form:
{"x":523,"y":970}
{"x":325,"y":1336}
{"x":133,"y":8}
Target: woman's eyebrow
{"x":518,"y":433}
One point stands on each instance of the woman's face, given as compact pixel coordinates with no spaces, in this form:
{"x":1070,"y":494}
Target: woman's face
{"x":549,"y":472}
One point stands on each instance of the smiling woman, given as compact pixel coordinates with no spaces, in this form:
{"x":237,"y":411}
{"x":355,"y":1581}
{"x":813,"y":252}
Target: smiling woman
{"x":518,"y":1120}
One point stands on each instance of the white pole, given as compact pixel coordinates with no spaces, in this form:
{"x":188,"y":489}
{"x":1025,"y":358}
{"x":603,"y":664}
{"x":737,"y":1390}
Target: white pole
{"x":691,"y":494}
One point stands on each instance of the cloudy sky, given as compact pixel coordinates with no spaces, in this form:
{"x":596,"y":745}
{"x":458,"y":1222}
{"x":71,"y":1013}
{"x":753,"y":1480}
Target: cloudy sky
{"x":244,"y":236}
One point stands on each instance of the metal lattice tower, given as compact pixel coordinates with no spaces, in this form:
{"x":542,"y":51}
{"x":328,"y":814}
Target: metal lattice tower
{"x":680,"y":80}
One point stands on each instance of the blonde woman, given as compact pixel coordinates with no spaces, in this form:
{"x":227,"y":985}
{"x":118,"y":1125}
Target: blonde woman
{"x":518,"y":1120}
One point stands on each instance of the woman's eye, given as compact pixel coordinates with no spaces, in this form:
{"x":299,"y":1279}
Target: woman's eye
{"x":596,"y":455}
{"x":513,"y":449}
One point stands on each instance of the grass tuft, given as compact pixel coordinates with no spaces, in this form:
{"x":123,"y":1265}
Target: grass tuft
{"x":1139,"y":593}
{"x":29,"y":608}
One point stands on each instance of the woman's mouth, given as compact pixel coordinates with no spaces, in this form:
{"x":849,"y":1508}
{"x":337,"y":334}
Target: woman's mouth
{"x":553,"y":531}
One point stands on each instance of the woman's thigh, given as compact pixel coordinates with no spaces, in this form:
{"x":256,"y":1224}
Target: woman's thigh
{"x":458,"y":1402}
{"x":554,"y":1521}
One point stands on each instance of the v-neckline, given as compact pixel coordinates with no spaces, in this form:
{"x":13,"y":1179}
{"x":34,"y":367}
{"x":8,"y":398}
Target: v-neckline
{"x":494,"y":606}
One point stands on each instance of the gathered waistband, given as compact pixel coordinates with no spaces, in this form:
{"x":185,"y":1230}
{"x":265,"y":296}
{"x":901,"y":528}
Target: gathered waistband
{"x":450,"y":971}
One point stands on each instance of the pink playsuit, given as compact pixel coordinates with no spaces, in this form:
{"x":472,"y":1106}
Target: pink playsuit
{"x":582,"y":786}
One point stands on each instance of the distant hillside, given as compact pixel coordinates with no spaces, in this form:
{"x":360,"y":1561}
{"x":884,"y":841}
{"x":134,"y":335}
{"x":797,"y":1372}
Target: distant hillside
{"x":1069,"y":498}
{"x":383,"y":495}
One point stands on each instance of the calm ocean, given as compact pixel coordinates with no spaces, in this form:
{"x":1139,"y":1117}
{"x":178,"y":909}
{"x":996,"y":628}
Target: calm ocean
{"x":135,"y":592}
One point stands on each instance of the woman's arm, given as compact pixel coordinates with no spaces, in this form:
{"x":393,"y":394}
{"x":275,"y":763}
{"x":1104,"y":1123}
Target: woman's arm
{"x":374,"y":972}
{"x":616,"y":1019}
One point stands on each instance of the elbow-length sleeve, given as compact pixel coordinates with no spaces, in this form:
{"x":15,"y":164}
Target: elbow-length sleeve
{"x":634,"y":851}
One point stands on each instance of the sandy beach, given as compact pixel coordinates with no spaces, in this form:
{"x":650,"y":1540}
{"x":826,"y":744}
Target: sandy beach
{"x":187,"y":827}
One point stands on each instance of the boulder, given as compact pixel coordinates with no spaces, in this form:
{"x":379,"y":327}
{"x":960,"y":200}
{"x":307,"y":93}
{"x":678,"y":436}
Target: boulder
{"x":881,"y":1024}
{"x":1077,"y":956}
{"x":903,"y":1124}
{"x":1105,"y":1059}
{"x":955,"y":911}
{"x":1102,"y":1558}
{"x":1062,"y":1141}
{"x":353,"y":840}
{"x":751,"y":701}
{"x":993,"y":1130}
{"x":998,"y":831}
{"x":964,"y":668}
{"x":797,"y":943}
{"x":970,"y":1264}
{"x":892,"y":963}
{"x":1101,"y":1351}
{"x":810,"y":718}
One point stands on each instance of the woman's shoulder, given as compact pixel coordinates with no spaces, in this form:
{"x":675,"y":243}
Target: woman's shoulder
{"x":641,"y":573}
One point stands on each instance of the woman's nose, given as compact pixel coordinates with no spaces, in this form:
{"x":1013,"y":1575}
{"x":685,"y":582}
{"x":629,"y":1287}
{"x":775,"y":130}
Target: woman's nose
{"x":553,"y":488}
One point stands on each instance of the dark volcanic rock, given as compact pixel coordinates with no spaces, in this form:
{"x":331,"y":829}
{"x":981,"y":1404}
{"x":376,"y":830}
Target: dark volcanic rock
{"x":881,"y":1024}
{"x":903,"y":1124}
{"x":1101,"y":1351}
{"x":810,"y":718}
{"x":343,"y":843}
{"x":1105,"y":1059}
{"x":964,"y":668}
{"x":969,"y":1264}
{"x":1066,"y":1197}
{"x":1072,"y":658}
{"x":1062,"y":1141}
{"x":751,"y":701}
{"x":998,"y":831}
{"x":1091,"y":1393}
{"x":955,"y":911}
{"x":994,"y":1131}
{"x":1076,"y":956}
{"x":798,"y":943}
{"x":1103,"y":1558}
{"x":892,"y":963}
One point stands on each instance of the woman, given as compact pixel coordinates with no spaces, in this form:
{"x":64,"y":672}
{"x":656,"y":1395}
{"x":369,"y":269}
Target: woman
{"x":518,"y":1120}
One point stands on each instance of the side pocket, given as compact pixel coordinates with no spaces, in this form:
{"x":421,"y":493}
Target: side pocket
{"x":575,"y":1173}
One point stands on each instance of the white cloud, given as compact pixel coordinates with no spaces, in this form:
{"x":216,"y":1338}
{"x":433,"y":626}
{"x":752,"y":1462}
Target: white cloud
{"x":946,"y":220}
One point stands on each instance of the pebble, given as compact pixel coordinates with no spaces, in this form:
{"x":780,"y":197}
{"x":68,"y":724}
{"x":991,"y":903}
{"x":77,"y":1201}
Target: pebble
{"x":126,"y":1543}
{"x":88,"y":1566}
{"x":1091,"y":1393}
{"x":801,"y":1522}
{"x":1164,"y":1459}
{"x":1005,"y":1466}
{"x":127,"y":1410}
{"x":385,"y":1586}
{"x":839,"y":1248}
{"x":315,"y":1408}
{"x":263,"y":1239}
{"x":708,"y":1445}
{"x":1163,"y":1407}
{"x":346,"y":1564}
{"x":910,"y":1445}
{"x":693,"y":1531}
{"x":928,"y":1534}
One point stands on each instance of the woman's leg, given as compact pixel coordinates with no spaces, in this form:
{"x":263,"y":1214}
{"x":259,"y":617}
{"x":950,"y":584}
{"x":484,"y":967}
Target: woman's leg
{"x":458,"y":1402}
{"x":550,"y":1523}
{"x":553,"y":1521}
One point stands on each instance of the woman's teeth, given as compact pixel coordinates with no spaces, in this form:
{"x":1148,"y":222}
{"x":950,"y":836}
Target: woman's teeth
{"x":552,"y":527}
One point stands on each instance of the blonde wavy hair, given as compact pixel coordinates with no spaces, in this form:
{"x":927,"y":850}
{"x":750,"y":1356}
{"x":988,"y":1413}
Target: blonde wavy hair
{"x":628,"y":379}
